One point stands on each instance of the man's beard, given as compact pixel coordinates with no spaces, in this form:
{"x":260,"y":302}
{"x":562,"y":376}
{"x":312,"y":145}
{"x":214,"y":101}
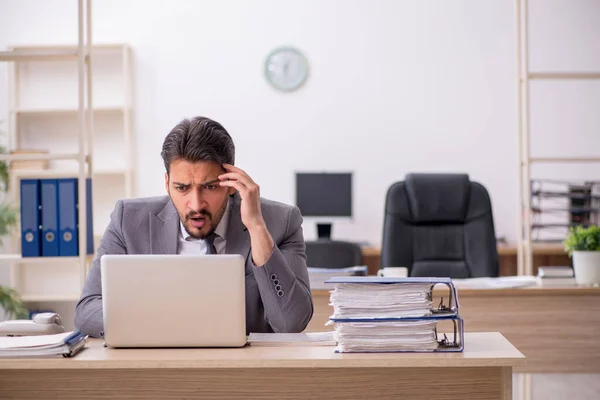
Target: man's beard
{"x":209,"y":220}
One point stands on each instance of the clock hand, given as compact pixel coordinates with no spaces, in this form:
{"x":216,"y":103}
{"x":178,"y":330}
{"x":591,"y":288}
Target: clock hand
{"x":285,"y":68}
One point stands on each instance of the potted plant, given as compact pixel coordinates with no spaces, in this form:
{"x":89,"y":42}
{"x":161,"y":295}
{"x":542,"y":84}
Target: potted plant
{"x":12,"y":304}
{"x":583,"y":245}
{"x":10,"y":300}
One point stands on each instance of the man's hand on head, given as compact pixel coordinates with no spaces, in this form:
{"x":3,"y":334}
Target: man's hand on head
{"x":249,"y":192}
{"x":261,"y":241}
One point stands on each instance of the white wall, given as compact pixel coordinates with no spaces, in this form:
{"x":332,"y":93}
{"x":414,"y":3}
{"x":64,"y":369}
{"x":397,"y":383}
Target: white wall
{"x":395,"y":87}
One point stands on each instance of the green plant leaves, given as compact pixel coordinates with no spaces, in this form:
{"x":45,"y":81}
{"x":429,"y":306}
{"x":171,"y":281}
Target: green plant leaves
{"x":582,"y":239}
{"x":12,"y":303}
{"x":10,"y":300}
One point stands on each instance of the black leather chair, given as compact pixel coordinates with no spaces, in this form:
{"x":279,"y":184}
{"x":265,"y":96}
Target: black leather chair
{"x":326,"y":253}
{"x":439,"y":225}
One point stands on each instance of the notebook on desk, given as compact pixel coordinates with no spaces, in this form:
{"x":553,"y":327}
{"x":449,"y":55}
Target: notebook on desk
{"x":66,"y":344}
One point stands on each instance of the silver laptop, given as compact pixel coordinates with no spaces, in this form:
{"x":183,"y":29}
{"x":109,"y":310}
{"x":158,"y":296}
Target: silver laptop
{"x":173,"y":300}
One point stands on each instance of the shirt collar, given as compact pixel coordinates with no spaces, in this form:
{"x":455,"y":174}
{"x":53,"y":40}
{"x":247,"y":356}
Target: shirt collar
{"x":220,"y":230}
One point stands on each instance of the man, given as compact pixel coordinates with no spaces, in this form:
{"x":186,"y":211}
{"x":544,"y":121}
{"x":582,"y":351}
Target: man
{"x":212,"y":207}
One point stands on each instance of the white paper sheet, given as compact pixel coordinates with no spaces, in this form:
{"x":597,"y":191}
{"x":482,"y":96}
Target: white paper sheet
{"x":292,"y":339}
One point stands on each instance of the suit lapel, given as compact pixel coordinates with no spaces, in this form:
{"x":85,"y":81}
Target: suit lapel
{"x":238,"y":239}
{"x":164,"y":230}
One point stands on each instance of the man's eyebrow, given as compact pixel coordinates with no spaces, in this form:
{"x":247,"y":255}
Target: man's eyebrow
{"x":210,"y":182}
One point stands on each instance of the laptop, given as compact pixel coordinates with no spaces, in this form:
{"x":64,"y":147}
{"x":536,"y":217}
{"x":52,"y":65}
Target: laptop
{"x":173,"y":300}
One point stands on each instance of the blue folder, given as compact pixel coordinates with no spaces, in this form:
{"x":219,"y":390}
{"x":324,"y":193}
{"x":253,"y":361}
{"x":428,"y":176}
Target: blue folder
{"x":68,"y":201}
{"x":90,"y":219}
{"x":30,"y":218}
{"x":438,"y":315}
{"x":49,"y":210}
{"x":67,"y":217}
{"x":74,"y":343}
{"x":456,"y":343}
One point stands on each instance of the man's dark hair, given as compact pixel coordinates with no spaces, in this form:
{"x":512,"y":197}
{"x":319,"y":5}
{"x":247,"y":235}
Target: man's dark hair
{"x":198,"y":139}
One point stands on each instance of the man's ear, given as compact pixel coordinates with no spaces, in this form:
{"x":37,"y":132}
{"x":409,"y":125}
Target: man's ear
{"x":231,"y":191}
{"x":167,"y":182}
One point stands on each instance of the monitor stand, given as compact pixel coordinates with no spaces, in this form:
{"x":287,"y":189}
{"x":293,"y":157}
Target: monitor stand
{"x":324,"y":231}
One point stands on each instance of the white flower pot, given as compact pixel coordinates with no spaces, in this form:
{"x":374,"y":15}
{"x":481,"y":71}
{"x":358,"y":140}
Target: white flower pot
{"x":586,"y":265}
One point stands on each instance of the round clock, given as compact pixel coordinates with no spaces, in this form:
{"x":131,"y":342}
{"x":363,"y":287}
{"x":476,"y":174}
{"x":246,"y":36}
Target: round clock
{"x":286,"y":69}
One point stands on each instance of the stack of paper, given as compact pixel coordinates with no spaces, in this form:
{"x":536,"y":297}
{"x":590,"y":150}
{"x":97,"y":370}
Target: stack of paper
{"x":63,"y":344}
{"x":392,"y":315}
{"x":372,"y":300}
{"x":386,"y":336}
{"x":503,"y":282}
{"x":291,"y":339}
{"x":556,"y":276}
{"x":555,"y":272}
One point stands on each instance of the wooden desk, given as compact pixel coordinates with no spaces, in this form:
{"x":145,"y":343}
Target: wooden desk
{"x":556,"y":328}
{"x":543,"y":254}
{"x":482,"y":371}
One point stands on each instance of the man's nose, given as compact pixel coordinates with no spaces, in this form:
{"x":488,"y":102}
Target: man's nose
{"x":196,"y":201}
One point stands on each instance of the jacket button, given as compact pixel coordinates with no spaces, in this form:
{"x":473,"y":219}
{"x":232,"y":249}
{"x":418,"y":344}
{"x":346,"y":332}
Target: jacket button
{"x":280,"y":293}
{"x":273,"y":277}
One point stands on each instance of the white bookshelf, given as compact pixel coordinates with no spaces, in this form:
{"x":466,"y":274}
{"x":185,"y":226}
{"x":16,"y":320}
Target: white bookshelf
{"x":524,"y":79}
{"x":44,"y":115}
{"x":74,"y":103}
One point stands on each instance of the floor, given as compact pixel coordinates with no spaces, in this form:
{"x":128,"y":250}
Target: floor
{"x":561,"y":387}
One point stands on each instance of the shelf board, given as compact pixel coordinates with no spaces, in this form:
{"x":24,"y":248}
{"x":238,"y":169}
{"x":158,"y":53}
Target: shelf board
{"x":116,"y":171}
{"x":39,"y":157}
{"x":48,"y":173}
{"x":34,"y":54}
{"x":30,"y":298}
{"x":70,"y":47}
{"x":69,"y":110}
{"x":564,"y":75}
{"x":38,"y":260}
{"x":564,"y":159}
{"x":544,"y":248}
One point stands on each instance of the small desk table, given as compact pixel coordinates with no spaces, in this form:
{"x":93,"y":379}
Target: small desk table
{"x":482,"y":371}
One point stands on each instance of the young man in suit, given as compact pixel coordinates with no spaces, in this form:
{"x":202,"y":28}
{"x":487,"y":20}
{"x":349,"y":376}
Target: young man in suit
{"x":212,"y":207}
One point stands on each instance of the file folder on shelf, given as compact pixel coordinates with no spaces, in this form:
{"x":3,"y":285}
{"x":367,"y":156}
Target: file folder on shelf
{"x":67,"y":217}
{"x":68,"y":201}
{"x":89,"y":216}
{"x":49,"y":202}
{"x":30,"y":218}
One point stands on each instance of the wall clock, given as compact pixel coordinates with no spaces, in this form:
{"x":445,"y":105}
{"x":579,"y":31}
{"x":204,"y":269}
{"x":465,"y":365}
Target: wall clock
{"x":286,"y":69}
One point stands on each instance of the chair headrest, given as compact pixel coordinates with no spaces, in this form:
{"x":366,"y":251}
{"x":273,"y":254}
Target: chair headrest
{"x":438,"y":197}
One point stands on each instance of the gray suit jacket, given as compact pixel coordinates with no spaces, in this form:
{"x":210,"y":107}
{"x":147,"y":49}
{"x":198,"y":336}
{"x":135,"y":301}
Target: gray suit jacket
{"x":151,"y":226}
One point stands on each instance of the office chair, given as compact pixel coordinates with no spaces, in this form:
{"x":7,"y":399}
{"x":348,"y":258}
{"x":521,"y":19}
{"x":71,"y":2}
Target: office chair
{"x":326,"y":253}
{"x":439,"y":225}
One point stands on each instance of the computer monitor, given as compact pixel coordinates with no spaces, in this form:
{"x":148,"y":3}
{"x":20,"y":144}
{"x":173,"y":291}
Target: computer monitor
{"x":324,"y":195}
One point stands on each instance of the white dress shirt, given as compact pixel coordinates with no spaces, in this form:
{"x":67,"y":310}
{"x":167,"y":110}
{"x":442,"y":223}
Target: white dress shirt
{"x":189,"y":245}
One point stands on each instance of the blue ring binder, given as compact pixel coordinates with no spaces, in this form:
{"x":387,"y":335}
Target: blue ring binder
{"x":442,"y":312}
